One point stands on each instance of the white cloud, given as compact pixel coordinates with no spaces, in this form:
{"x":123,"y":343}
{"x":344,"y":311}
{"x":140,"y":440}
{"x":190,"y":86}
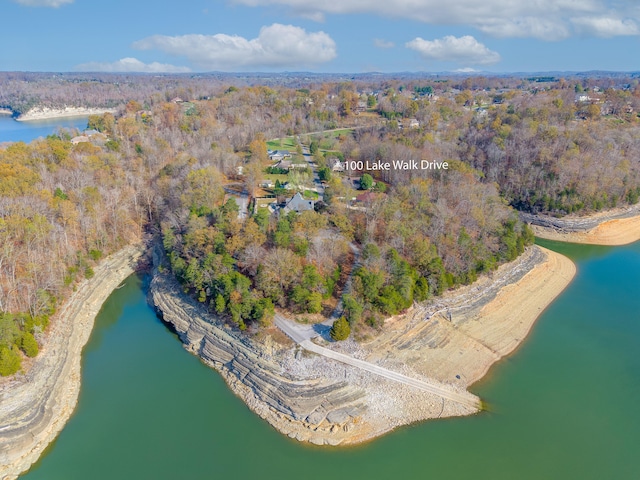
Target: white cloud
{"x":130,"y":65}
{"x":605,"y":26}
{"x":466,"y":50}
{"x":544,"y":19}
{"x":276,"y":46}
{"x":380,"y":43}
{"x":43,"y":3}
{"x":466,"y":70}
{"x":546,"y":29}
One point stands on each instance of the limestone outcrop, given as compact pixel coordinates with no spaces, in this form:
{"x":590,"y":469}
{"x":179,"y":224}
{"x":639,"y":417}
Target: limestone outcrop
{"x":35,"y":407}
{"x":312,"y":408}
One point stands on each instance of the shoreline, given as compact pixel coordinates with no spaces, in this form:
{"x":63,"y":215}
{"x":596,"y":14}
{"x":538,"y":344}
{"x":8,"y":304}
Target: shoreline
{"x":307,"y":397}
{"x":471,"y":329}
{"x":610,"y":228}
{"x":46,"y":113}
{"x":317,"y":400}
{"x":34,"y":407}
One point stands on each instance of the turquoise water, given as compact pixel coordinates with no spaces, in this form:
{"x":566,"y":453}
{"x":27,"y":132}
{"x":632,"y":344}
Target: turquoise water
{"x":13,"y":131}
{"x":565,"y":406}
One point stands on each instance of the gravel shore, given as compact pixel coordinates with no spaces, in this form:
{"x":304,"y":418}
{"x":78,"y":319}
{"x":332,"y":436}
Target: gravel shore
{"x":619,"y":226}
{"x":453,"y":340}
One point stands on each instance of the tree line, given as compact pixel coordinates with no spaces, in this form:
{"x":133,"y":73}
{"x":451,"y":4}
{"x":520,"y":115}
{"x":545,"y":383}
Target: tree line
{"x":163,"y":167}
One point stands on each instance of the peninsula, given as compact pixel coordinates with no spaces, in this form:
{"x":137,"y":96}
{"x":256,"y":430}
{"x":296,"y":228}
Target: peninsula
{"x":338,"y":301}
{"x":48,"y":113}
{"x":450,"y":343}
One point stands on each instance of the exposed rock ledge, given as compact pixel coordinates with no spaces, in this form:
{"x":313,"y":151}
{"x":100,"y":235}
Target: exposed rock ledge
{"x":314,"y":399}
{"x":45,"y":113}
{"x":619,"y":226}
{"x":35,"y":407}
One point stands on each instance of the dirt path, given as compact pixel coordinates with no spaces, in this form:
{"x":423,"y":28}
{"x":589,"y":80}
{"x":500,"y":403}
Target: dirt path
{"x":35,"y":407}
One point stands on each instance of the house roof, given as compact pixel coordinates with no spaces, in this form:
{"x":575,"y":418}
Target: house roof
{"x":366,"y":197}
{"x":298,"y":204}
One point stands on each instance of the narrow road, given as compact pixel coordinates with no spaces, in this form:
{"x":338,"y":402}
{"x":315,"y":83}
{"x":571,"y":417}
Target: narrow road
{"x":241,"y":197}
{"x":317,"y":184}
{"x":302,"y":334}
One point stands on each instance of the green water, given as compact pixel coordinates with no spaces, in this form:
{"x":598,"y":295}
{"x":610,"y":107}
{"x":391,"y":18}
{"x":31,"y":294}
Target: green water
{"x":565,"y":406}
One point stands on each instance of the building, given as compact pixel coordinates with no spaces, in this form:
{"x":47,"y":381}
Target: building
{"x":335,"y":164}
{"x":277,"y":155}
{"x":298,"y":204}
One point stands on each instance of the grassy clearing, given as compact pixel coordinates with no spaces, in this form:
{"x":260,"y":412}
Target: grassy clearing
{"x":286,"y":143}
{"x":329,"y":135}
{"x":264,"y":202}
{"x":310,"y":195}
{"x":275,"y":176}
{"x":337,"y":133}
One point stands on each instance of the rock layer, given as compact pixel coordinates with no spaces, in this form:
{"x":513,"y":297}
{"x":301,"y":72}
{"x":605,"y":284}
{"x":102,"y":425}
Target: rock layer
{"x":612,"y":227}
{"x":35,"y":407}
{"x":306,"y":408}
{"x":311,"y":398}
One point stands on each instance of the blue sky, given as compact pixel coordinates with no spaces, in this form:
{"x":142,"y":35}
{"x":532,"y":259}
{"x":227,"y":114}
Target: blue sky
{"x":330,"y":36}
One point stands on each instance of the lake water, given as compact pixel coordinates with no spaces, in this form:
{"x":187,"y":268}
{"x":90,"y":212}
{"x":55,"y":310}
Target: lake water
{"x":564,"y":406}
{"x":13,"y":131}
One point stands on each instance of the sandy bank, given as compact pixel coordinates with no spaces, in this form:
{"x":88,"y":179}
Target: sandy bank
{"x":5,"y":111}
{"x":35,"y":407}
{"x":458,"y":339}
{"x":315,"y":399}
{"x":612,"y":232}
{"x":613,"y":227}
{"x":46,"y":113}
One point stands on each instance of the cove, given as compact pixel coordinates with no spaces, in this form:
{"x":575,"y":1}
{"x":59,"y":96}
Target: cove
{"x":564,"y":406}
{"x":14,"y":131}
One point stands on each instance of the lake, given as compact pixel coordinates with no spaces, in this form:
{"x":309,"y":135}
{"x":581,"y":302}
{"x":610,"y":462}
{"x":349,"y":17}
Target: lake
{"x":14,"y":131}
{"x":564,"y":406}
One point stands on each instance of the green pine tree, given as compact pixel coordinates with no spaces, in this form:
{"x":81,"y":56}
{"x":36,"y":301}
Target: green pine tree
{"x":340,"y":329}
{"x":9,"y":360}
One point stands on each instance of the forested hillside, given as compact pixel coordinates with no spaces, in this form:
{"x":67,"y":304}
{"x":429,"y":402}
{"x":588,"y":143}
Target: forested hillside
{"x":62,"y":208}
{"x":181,"y":167}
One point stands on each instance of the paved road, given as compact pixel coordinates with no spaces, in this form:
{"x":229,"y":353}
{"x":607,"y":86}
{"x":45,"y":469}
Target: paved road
{"x":318,"y":187}
{"x":296,"y":331}
{"x":241,"y":197}
{"x":302,"y":335}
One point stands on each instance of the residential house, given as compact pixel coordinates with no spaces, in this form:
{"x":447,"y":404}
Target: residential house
{"x":90,"y":135}
{"x":367,"y":197}
{"x":335,"y":164}
{"x":288,"y":165}
{"x":298,"y":204}
{"x":277,"y":155}
{"x":360,"y":107}
{"x":79,"y":139}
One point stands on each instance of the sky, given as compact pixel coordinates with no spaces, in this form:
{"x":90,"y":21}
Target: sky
{"x":342,"y":36}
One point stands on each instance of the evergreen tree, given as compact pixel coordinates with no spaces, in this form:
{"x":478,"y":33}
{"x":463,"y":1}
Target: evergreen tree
{"x":340,"y":329}
{"x":29,"y":345}
{"x":9,"y":360}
